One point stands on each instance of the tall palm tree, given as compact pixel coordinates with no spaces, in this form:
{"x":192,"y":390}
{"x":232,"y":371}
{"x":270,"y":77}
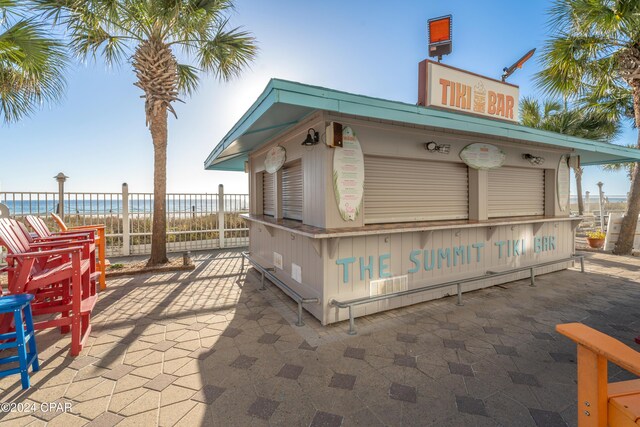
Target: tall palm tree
{"x":553,"y":116}
{"x":593,"y":57}
{"x":617,"y":167}
{"x":152,"y":33}
{"x":31,"y":63}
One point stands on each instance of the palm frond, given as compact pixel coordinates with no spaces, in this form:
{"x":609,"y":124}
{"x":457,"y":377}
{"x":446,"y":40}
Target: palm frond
{"x":31,"y":69}
{"x":227,"y":53}
{"x":188,"y":79}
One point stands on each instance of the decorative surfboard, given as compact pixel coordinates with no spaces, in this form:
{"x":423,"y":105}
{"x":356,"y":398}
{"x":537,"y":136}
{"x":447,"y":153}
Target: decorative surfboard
{"x":563,"y":183}
{"x":613,"y":232}
{"x":275,"y":159}
{"x":348,"y":175}
{"x":483,"y":156}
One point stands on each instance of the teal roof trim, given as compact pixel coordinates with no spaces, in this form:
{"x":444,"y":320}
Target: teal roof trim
{"x":305,"y":99}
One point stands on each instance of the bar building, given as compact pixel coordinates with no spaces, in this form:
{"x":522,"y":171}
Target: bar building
{"x":390,"y":197}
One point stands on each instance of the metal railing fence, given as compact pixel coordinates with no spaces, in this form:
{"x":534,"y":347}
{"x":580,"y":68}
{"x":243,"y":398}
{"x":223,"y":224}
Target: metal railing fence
{"x":194,"y":220}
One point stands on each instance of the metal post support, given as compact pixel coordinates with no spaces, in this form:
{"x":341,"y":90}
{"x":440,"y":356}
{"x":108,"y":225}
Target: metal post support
{"x":221,"y":216}
{"x":61,"y":178}
{"x":533,"y":277}
{"x":459,"y":295}
{"x":352,"y":326}
{"x":582,"y":264}
{"x":300,"y":322}
{"x":126,"y":238}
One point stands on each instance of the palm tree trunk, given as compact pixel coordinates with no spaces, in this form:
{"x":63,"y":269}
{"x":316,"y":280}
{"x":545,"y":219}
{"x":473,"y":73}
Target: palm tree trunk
{"x":578,"y":173}
{"x":630,"y":219}
{"x":158,"y":129}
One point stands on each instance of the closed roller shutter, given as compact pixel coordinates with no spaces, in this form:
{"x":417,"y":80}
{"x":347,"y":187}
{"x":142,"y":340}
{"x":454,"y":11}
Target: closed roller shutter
{"x":402,"y":190}
{"x":268,"y":194}
{"x":515,"y":192}
{"x":292,"y":191}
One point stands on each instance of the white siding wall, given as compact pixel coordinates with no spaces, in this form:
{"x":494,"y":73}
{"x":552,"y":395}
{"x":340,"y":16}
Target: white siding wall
{"x":294,"y":249}
{"x":399,"y":247}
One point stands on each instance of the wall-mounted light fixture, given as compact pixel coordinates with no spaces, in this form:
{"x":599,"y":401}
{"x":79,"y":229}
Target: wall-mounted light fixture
{"x":534,"y":160}
{"x":312,"y":137}
{"x":433,"y":147}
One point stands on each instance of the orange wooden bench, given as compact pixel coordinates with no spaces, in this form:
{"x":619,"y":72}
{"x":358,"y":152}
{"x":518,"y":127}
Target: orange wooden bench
{"x":101,"y":242}
{"x":601,"y":403}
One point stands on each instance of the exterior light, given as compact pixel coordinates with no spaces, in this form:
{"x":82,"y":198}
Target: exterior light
{"x":440,"y":40}
{"x":507,"y":71}
{"x":312,"y":137}
{"x":433,"y":147}
{"x":534,"y":160}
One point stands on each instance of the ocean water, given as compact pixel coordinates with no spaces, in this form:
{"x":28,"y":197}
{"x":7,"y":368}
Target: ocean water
{"x":114,"y":207}
{"x":594,"y":198}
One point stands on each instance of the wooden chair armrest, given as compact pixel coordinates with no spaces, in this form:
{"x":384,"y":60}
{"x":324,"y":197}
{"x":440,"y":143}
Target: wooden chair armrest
{"x":59,"y":242}
{"x":41,"y":254}
{"x":63,"y":236}
{"x":603,"y":345}
{"x":86,"y":227}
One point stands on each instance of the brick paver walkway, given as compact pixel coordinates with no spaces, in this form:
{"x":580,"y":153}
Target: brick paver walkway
{"x":197,"y":348}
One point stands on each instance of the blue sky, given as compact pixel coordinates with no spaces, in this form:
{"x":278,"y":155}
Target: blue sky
{"x":97,"y":134}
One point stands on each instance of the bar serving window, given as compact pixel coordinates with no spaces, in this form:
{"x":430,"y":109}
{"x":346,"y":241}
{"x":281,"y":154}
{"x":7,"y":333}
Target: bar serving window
{"x":292,"y":197}
{"x":515,"y":192}
{"x":404,"y":190}
{"x":268,"y":194}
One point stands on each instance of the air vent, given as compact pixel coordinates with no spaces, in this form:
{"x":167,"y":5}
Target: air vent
{"x":389,"y":285}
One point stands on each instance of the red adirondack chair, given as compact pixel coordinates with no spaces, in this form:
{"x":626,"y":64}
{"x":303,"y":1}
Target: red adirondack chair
{"x":60,"y":273}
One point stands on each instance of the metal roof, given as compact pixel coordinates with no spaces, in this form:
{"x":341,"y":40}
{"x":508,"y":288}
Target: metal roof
{"x":284,"y":103}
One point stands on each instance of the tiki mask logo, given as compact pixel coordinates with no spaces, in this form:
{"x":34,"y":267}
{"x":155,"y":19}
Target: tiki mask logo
{"x":479,"y":98}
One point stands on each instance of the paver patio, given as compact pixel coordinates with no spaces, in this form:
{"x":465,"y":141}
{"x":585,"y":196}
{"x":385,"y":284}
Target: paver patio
{"x":206,"y":348}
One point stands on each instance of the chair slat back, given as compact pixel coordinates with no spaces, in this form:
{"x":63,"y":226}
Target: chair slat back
{"x":60,"y":222}
{"x":25,"y":234}
{"x":39,"y":226}
{"x":11,"y":236}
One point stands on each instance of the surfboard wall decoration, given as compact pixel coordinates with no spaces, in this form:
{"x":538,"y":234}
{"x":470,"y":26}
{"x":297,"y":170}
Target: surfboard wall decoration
{"x":564,"y":175}
{"x":275,"y":159}
{"x":348,"y":175}
{"x":483,"y":156}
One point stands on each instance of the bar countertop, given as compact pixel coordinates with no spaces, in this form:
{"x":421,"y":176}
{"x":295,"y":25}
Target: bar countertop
{"x":297,"y":227}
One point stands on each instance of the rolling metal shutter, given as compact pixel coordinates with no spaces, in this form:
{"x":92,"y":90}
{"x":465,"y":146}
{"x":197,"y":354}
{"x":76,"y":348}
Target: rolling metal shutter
{"x":292,"y":191}
{"x":402,"y":190}
{"x":268,"y":194}
{"x":515,"y":192}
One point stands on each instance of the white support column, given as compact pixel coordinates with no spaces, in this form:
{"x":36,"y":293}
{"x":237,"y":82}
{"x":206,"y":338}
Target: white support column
{"x":587,"y":203}
{"x":126,"y":239}
{"x":478,"y":194}
{"x":278,"y":187}
{"x":221,"y":215}
{"x":601,"y":205}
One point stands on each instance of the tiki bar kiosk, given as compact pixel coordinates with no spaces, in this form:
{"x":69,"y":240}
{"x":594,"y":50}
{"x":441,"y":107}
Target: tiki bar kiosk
{"x":360,"y":205}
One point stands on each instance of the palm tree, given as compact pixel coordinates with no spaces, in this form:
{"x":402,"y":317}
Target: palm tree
{"x":617,"y":167}
{"x":151,"y":33}
{"x":31,"y":64}
{"x":593,"y":57}
{"x":554,"y":117}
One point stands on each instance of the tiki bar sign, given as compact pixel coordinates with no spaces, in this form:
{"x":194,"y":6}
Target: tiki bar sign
{"x":447,"y":87}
